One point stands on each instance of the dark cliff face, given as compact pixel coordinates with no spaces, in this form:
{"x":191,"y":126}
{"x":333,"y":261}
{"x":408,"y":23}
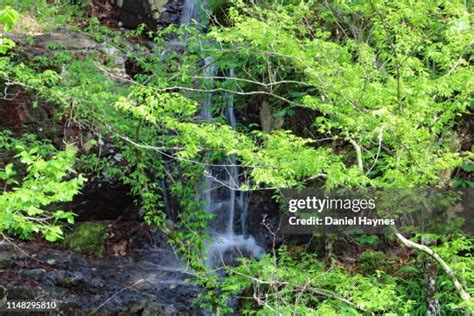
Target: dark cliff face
{"x":14,"y":111}
{"x":19,"y":115}
{"x":263,"y":220}
{"x":154,"y":13}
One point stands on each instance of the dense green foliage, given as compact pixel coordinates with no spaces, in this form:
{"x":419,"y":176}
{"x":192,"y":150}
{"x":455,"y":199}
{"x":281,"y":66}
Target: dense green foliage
{"x":33,"y":181}
{"x":8,"y":17}
{"x":386,"y":86}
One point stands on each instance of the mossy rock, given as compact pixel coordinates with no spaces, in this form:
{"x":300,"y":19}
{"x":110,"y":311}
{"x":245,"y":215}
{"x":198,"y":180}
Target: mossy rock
{"x":370,"y":261}
{"x":88,"y":237}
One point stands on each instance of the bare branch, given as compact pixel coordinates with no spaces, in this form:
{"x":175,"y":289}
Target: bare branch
{"x":410,"y":244}
{"x":380,"y":139}
{"x":115,"y":294}
{"x":274,"y":83}
{"x":356,"y":146}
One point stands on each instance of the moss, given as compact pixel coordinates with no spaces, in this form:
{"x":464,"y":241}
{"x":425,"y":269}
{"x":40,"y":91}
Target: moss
{"x":158,"y":5}
{"x":371,"y":261}
{"x":88,"y":237}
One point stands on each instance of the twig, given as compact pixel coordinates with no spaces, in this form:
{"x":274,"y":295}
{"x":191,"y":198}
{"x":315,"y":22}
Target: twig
{"x":7,"y":239}
{"x":380,"y":138}
{"x":115,"y":294}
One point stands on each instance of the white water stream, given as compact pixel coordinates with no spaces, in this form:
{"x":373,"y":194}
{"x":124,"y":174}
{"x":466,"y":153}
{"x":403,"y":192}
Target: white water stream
{"x":221,"y":185}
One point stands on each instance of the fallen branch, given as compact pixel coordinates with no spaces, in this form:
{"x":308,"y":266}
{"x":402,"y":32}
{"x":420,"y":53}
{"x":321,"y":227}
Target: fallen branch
{"x":115,"y":294}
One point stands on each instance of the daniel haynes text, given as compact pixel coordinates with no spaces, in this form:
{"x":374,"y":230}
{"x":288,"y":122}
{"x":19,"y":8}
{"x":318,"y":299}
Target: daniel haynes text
{"x":344,"y":221}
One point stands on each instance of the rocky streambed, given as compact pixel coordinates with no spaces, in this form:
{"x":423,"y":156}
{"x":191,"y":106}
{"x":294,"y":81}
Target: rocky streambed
{"x":136,"y":274}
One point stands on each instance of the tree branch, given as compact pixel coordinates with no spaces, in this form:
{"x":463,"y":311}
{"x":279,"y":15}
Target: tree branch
{"x":410,"y":244}
{"x":356,"y":146}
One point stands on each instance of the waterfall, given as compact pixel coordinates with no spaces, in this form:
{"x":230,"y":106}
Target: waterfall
{"x":220,"y":188}
{"x":210,"y":72}
{"x":241,"y":201}
{"x":206,"y":114}
{"x":234,"y":169}
{"x":225,"y":200}
{"x":188,"y":12}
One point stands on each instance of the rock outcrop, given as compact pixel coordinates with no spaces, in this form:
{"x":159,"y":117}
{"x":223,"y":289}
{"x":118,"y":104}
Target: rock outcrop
{"x":147,"y":280}
{"x":154,"y":13}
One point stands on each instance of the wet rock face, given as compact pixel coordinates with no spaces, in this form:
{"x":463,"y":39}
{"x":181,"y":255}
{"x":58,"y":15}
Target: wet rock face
{"x":154,"y":13}
{"x":230,"y":256}
{"x":263,"y":208}
{"x":149,"y":280}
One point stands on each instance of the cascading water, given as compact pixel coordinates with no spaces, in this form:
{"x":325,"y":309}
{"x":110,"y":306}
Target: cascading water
{"x":188,"y":12}
{"x":210,"y":72}
{"x":241,"y":200}
{"x":225,"y":200}
{"x":220,"y":189}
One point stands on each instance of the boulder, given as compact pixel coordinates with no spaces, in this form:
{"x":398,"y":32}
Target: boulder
{"x":88,"y":237}
{"x":64,"y":40}
{"x":9,"y":255}
{"x":153,"y":13}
